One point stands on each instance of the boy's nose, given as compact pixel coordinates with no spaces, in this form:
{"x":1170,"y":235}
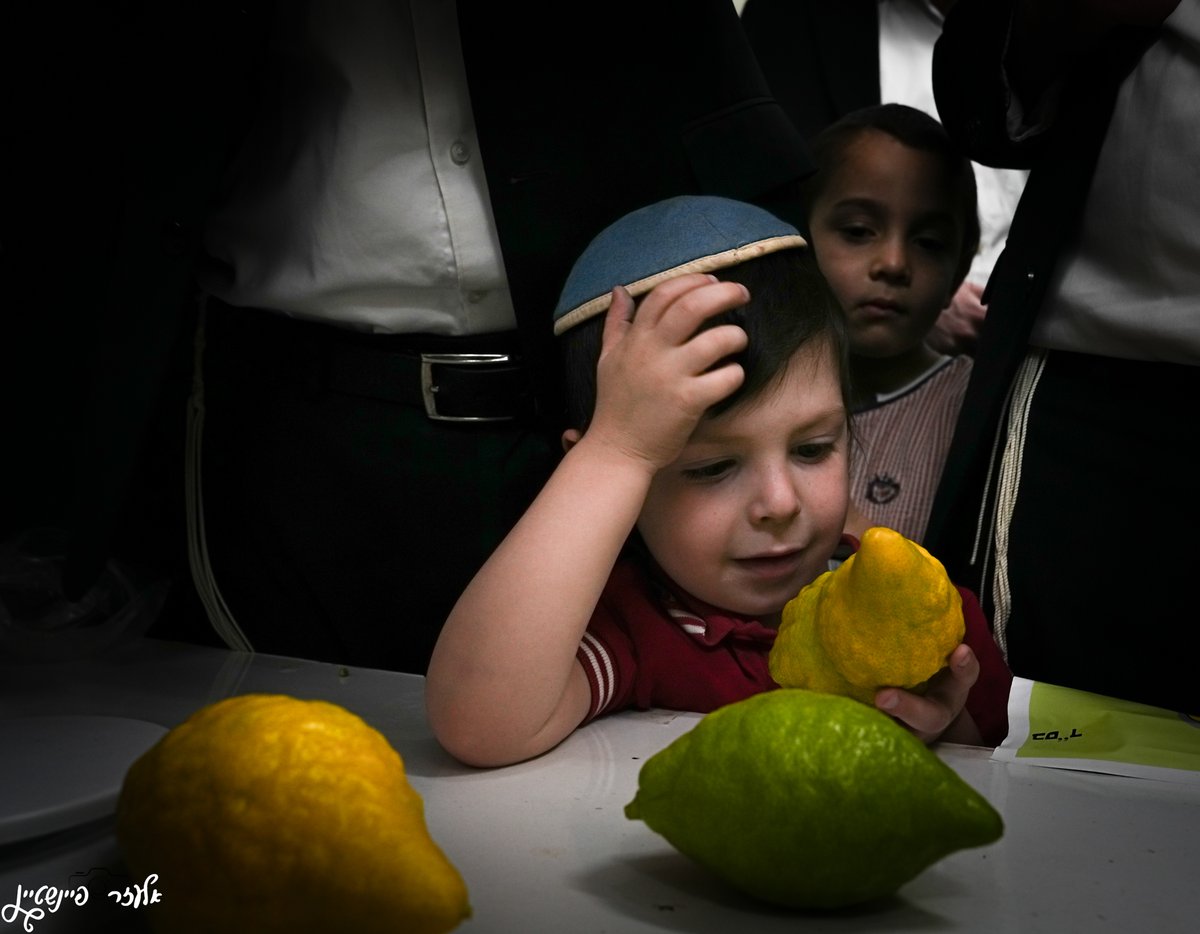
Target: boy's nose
{"x":776,"y":496}
{"x":890,"y":261}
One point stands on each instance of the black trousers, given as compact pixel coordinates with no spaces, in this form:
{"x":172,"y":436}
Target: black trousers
{"x":340,"y":524}
{"x":1102,"y":554}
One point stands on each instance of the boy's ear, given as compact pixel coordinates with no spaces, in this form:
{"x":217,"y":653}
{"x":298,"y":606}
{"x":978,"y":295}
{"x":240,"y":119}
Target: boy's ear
{"x":570,"y":438}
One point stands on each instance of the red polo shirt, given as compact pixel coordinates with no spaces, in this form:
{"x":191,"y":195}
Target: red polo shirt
{"x":649,"y":644}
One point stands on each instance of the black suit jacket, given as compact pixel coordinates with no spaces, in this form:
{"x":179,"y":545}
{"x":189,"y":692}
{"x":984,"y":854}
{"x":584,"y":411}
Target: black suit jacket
{"x":972,"y":103}
{"x":820,"y":58}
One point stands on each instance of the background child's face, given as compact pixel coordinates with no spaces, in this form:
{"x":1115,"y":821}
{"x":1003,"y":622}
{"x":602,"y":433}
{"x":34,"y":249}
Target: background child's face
{"x":754,"y":506}
{"x":887,"y":233}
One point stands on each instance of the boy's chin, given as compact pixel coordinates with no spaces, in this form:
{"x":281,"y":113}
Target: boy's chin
{"x":875,"y":349}
{"x":761,"y":609}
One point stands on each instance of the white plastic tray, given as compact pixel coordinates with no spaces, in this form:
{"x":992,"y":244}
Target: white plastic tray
{"x":62,"y":771}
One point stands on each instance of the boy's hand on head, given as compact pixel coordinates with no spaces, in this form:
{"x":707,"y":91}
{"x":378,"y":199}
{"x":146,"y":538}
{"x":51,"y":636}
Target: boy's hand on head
{"x":658,"y":373}
{"x":938,"y":713}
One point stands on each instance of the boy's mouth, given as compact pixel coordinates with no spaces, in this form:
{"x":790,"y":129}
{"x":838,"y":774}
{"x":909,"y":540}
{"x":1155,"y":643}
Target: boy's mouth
{"x":880,"y":307}
{"x":773,"y":565}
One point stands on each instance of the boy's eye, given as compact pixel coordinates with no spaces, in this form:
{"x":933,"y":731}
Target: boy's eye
{"x":711,"y":471}
{"x":855,"y":233}
{"x":812,"y":451}
{"x":932,"y":244}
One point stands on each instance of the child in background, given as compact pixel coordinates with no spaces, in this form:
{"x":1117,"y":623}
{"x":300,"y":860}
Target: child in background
{"x":894,"y":226}
{"x":704,"y":484}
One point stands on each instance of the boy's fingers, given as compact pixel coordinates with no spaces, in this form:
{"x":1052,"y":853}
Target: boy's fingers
{"x":922,"y":715}
{"x":918,"y":713}
{"x":677,"y":308}
{"x":948,"y":689}
{"x":963,"y":670}
{"x":618,"y":317}
{"x":662,"y":296}
{"x":709,"y":347}
{"x":684,"y":318}
{"x":716,"y":384}
{"x":929,"y":714}
{"x":963,"y":662}
{"x":622,"y":303}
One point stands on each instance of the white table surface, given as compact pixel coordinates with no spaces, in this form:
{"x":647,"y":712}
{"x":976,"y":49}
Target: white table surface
{"x":544,"y":846}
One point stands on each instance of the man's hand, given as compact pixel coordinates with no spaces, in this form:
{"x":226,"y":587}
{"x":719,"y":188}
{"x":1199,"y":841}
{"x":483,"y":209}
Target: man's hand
{"x":658,"y":373}
{"x":957,"y":328}
{"x":938,"y":713}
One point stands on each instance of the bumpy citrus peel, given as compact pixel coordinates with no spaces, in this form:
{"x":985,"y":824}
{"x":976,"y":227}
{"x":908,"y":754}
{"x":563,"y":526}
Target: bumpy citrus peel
{"x":276,"y":815}
{"x":889,"y":616}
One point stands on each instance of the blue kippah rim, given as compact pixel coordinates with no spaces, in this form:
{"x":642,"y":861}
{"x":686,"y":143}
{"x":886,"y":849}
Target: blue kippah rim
{"x":669,"y":238}
{"x":731,"y":257}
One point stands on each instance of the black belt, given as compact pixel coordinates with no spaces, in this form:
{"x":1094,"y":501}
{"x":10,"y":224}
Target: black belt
{"x":478,"y":378}
{"x":450,"y":387}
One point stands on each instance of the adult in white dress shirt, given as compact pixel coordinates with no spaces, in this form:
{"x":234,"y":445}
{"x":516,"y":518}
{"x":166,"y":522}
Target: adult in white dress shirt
{"x":354,"y":218}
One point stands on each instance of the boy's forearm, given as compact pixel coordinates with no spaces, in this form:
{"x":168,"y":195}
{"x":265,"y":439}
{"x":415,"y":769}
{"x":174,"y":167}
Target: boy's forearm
{"x":502,"y":670}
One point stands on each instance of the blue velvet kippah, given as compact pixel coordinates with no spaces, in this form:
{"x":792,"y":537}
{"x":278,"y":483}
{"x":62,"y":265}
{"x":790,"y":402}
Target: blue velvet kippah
{"x":690,"y":233}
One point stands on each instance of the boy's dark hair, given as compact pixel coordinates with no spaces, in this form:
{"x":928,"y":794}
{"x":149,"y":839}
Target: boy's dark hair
{"x":917,"y":130}
{"x":790,"y":305}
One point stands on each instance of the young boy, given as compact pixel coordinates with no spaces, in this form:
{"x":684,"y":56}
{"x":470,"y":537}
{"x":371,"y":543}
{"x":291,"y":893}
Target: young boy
{"x":894,"y":226}
{"x":703,"y":485}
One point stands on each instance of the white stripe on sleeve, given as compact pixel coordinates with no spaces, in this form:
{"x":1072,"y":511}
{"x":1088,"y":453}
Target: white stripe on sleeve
{"x":602,"y":669}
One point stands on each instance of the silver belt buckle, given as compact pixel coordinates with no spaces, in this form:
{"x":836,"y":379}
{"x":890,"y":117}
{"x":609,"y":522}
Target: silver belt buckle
{"x":429,"y":388}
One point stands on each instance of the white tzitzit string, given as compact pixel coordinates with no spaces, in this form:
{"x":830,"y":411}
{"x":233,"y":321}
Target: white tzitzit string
{"x":219,"y":614}
{"x":985,"y":523}
{"x":1008,"y":485}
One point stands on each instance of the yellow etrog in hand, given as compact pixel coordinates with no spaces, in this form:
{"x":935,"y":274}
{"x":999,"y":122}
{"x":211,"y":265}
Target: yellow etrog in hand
{"x":887,"y":617}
